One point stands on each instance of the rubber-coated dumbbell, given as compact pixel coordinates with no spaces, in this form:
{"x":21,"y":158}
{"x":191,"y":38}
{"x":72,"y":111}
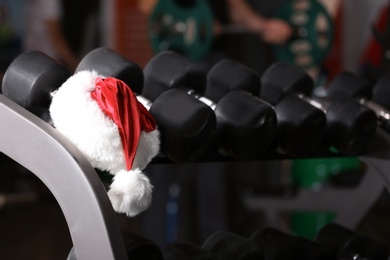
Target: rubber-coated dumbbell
{"x":186,"y":124}
{"x":349,"y":245}
{"x":301,"y":127}
{"x":245,"y":124}
{"x":349,"y":125}
{"x":29,"y":80}
{"x":380,"y":99}
{"x":348,"y":84}
{"x":137,"y":248}
{"x":187,"y":250}
{"x":230,"y":246}
{"x":278,"y":245}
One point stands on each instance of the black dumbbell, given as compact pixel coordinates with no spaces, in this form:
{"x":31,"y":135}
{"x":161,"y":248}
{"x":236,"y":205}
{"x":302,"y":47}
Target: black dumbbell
{"x":380,"y":99}
{"x":30,"y":79}
{"x":348,"y":84}
{"x":279,"y":245}
{"x":380,"y":92}
{"x":187,"y":250}
{"x":186,"y":124}
{"x":349,"y":245}
{"x":137,"y":248}
{"x":301,"y":126}
{"x":230,"y":246}
{"x":245,"y":124}
{"x":349,"y":125}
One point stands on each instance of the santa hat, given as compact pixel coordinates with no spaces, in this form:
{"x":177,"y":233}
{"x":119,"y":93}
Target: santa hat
{"x":115,"y":132}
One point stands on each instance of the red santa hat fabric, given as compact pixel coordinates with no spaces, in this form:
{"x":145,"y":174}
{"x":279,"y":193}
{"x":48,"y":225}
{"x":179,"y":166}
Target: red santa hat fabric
{"x":120,"y":104}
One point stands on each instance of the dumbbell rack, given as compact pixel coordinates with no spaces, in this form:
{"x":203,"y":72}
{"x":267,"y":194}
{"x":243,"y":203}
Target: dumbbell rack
{"x":81,"y":195}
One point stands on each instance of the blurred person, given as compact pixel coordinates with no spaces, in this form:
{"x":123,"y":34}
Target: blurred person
{"x":240,"y":12}
{"x":43,"y":31}
{"x":271,"y":30}
{"x":254,"y":47}
{"x":261,"y":31}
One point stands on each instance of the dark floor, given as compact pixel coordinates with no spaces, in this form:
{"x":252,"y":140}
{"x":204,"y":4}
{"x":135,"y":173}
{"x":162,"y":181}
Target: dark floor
{"x":33,"y":227}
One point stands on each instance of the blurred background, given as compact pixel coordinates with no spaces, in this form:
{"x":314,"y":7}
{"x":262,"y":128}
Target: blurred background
{"x":191,"y":201}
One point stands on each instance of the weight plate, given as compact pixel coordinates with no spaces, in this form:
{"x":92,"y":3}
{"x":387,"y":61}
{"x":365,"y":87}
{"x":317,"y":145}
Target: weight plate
{"x":187,"y":29}
{"x":313,"y":33}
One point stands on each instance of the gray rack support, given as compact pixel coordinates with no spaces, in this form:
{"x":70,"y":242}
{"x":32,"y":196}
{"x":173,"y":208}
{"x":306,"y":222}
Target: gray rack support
{"x":72,"y":180}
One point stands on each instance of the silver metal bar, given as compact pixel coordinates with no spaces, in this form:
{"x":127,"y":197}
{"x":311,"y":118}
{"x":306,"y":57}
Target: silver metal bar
{"x":203,"y":99}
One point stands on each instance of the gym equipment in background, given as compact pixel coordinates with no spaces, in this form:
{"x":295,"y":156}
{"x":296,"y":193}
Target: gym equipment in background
{"x":189,"y":28}
{"x":182,"y":27}
{"x":313,"y":33}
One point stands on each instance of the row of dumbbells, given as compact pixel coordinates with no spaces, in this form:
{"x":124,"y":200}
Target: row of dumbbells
{"x":332,"y":242}
{"x":230,"y":108}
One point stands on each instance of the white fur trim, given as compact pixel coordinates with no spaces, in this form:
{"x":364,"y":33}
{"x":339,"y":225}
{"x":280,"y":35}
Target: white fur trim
{"x":130,"y":192}
{"x":148,"y":148}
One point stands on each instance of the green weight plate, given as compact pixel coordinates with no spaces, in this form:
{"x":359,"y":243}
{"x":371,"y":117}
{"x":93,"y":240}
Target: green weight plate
{"x":313,"y":35}
{"x":186,"y":29}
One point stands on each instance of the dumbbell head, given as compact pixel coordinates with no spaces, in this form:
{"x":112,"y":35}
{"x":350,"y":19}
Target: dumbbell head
{"x":277,"y":245}
{"x":137,"y":248}
{"x":168,"y":70}
{"x":30,"y":79}
{"x":301,"y":126}
{"x":246,"y":126}
{"x":186,"y":250}
{"x":347,"y":84}
{"x":188,"y":133}
{"x":231,"y":246}
{"x":381,"y":91}
{"x":358,"y":126}
{"x":283,"y":246}
{"x":109,"y":63}
{"x":228,"y":75}
{"x":380,"y":95}
{"x":282,"y":79}
{"x":347,"y":243}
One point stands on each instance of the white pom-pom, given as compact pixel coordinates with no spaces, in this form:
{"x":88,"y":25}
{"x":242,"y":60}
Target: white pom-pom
{"x":130,"y":192}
